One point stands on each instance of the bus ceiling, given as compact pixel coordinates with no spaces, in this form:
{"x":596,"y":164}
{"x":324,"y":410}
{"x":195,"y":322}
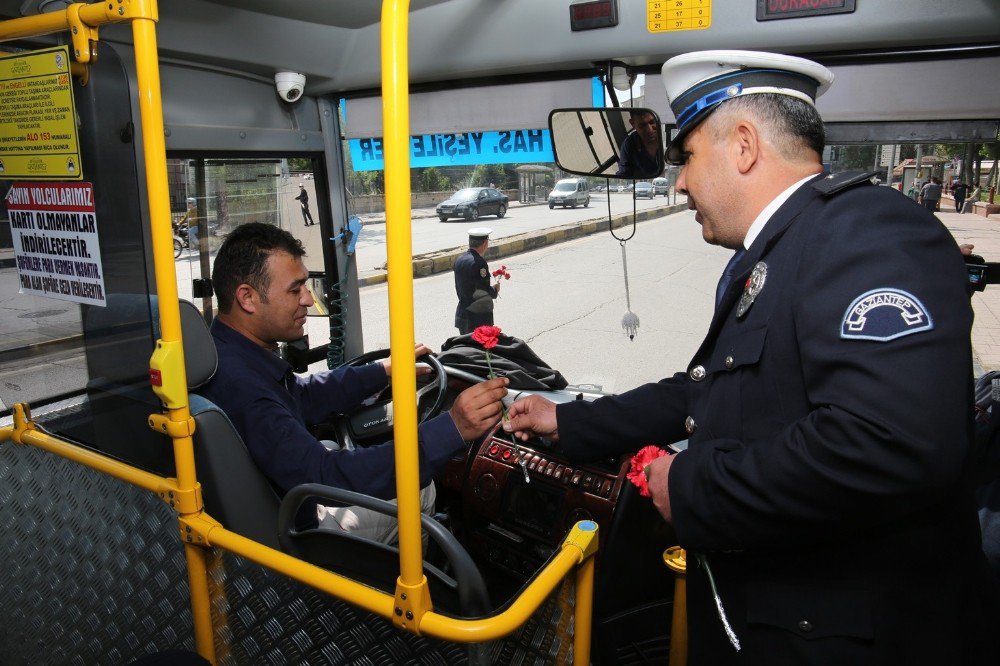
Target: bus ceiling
{"x":336,"y":44}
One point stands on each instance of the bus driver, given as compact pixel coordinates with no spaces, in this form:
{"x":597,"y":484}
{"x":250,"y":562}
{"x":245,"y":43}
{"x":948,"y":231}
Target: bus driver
{"x":259,"y":279}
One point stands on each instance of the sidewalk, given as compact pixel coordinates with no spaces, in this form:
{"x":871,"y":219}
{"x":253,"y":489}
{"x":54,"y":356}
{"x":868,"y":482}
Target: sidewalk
{"x":984,"y":233}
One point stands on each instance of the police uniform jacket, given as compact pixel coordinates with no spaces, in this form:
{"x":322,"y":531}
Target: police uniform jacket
{"x":471,"y":273}
{"x":828,"y":428}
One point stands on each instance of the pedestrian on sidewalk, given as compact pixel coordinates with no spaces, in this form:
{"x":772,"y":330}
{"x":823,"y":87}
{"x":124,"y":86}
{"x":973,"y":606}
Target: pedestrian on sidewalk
{"x":959,"y":191}
{"x":303,"y":200}
{"x":930,"y":194}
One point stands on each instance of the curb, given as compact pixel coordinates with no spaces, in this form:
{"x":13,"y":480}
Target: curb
{"x":443,"y":261}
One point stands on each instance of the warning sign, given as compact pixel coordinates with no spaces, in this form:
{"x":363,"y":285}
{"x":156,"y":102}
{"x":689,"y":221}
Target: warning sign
{"x":38,"y":137}
{"x":54,"y":228}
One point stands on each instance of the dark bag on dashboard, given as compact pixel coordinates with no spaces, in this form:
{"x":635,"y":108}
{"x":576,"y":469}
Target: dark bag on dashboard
{"x":511,"y":358}
{"x":482,"y":302}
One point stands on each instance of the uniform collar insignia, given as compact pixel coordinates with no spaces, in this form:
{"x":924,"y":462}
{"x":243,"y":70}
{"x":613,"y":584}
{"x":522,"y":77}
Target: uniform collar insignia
{"x":753,"y":286}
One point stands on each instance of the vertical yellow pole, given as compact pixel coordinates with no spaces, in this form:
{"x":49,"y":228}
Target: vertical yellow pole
{"x":583,"y":612}
{"x":675,"y":557}
{"x":396,"y":139}
{"x":155,"y":156}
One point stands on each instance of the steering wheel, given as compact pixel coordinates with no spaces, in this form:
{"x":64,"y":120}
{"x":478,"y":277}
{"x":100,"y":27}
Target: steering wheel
{"x":372,"y":422}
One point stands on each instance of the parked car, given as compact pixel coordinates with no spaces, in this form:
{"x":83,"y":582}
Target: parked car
{"x":644,"y":190}
{"x":661,"y":186}
{"x":471,"y":202}
{"x":570,"y":192}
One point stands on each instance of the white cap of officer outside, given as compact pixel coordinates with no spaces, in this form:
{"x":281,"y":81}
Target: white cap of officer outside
{"x":696,"y":83}
{"x":479,"y":233}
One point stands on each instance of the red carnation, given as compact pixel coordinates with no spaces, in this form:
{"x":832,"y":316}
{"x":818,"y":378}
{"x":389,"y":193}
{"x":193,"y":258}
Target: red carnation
{"x":637,"y":467}
{"x":487,"y":336}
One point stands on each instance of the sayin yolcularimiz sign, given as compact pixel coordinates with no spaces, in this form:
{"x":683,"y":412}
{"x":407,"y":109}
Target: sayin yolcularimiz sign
{"x":54,"y":229}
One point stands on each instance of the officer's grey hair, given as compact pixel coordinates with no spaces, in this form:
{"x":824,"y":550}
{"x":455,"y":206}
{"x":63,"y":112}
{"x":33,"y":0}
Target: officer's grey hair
{"x":786,"y":123}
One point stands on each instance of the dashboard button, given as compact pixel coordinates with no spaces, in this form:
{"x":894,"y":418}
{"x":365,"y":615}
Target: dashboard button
{"x":558,"y":473}
{"x":550,"y":470}
{"x":507,"y":453}
{"x":495,"y":449}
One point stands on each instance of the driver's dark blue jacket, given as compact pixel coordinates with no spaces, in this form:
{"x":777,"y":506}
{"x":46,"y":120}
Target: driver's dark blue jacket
{"x":271,"y":407}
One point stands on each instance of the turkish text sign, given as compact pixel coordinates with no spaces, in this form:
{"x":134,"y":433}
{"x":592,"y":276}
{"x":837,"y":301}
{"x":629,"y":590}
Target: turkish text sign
{"x":38,"y":138}
{"x":460,"y":148}
{"x":54,"y":229}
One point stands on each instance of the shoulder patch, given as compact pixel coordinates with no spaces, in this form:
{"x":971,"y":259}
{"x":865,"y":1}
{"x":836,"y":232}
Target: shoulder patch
{"x":483,"y":272}
{"x":837,"y":182}
{"x":885,"y":314}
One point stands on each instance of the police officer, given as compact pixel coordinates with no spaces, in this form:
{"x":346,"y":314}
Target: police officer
{"x":472,"y":284}
{"x":827,"y":411}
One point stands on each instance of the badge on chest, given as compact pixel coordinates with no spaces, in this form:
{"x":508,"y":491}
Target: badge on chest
{"x":754,"y":285}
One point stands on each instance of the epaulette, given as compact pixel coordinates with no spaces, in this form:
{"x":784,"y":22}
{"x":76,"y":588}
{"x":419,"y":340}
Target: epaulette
{"x":836,"y":182}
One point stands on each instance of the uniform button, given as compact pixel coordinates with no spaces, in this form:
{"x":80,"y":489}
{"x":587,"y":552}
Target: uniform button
{"x":805,"y":626}
{"x":697,"y":373}
{"x":690,"y":425}
{"x":729,"y":362}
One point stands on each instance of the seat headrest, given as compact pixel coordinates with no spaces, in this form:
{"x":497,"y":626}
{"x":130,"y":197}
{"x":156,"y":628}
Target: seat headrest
{"x":200,"y":357}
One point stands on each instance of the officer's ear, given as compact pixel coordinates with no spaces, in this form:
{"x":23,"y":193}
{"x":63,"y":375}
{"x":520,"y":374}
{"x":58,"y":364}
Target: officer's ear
{"x":746,"y":145}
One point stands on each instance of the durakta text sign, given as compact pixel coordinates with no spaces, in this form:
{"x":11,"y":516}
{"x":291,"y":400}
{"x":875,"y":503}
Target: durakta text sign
{"x":38,"y":137}
{"x":54,"y":230}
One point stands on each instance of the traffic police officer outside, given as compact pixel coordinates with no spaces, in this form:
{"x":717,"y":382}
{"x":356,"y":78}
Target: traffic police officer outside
{"x":472,"y":284}
{"x":822,"y":496}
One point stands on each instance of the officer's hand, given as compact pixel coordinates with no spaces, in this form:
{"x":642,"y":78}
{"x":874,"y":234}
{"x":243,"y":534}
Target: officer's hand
{"x":657,"y":473}
{"x":419,"y":349}
{"x":477,"y":408}
{"x":533,"y":415}
{"x":496,"y":287}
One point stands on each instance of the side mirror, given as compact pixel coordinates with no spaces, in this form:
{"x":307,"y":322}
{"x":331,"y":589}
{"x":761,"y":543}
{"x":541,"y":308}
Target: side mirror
{"x":608,"y":142}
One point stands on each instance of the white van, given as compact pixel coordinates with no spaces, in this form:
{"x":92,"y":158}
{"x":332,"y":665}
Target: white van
{"x":661,"y":186}
{"x":570,"y":192}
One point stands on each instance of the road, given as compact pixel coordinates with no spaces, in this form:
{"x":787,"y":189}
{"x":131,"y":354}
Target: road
{"x":566,"y":301}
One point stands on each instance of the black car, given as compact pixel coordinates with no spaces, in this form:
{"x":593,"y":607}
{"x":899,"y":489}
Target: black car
{"x":471,"y":202}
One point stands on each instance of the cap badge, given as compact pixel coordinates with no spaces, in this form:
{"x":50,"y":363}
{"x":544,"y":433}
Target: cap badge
{"x":733,"y":91}
{"x":753,"y":287}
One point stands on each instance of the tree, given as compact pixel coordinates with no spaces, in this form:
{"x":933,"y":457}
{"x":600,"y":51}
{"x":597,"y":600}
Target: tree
{"x":484,"y":174}
{"x":430,"y":179}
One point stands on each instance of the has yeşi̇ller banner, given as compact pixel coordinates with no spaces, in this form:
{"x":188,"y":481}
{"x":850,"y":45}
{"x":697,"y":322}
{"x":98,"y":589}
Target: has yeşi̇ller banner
{"x":54,"y":229}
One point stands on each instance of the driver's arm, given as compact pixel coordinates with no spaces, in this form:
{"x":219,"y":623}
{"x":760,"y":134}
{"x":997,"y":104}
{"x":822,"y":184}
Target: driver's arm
{"x":289,"y":455}
{"x":337,"y":391}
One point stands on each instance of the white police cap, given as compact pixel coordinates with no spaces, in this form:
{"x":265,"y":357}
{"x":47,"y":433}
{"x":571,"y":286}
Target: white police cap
{"x":480,"y":233}
{"x":698,"y":82}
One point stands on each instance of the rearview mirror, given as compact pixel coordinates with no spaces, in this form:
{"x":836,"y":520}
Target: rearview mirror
{"x":608,"y":142}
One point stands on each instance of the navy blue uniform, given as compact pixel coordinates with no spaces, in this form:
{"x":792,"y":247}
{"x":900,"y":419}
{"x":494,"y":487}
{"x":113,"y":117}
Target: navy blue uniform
{"x":471,"y":273}
{"x":271,"y":408}
{"x":829,"y":426}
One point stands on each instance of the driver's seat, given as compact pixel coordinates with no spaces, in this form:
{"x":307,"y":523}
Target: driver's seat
{"x":238,"y":495}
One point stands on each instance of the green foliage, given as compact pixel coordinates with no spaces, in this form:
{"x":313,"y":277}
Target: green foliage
{"x":300,"y":164}
{"x":484,"y":174}
{"x":430,"y":179}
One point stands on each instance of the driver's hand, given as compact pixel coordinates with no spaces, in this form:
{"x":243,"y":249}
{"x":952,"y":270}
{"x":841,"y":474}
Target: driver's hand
{"x":533,"y":415}
{"x":419,"y":349}
{"x":477,"y":408}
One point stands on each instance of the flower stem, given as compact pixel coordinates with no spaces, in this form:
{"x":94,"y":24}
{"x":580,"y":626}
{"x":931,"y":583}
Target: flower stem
{"x":492,"y":375}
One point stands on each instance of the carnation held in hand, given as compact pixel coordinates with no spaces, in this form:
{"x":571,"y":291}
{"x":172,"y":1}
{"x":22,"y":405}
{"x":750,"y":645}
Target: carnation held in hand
{"x":637,"y":467}
{"x":487,"y":336}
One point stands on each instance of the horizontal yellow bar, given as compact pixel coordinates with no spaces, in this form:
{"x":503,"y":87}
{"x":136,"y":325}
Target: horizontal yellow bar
{"x":119,"y":470}
{"x":370,"y":599}
{"x":49,"y":22}
{"x":497,"y":626}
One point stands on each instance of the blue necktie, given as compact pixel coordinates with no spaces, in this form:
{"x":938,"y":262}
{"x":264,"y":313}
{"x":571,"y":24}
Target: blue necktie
{"x":727,"y":276}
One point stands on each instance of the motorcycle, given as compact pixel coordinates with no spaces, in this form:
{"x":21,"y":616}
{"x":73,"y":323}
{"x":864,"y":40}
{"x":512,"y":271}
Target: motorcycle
{"x":182,"y":239}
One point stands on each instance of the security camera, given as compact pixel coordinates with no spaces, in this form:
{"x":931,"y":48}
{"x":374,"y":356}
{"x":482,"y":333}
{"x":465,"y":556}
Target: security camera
{"x":289,"y":85}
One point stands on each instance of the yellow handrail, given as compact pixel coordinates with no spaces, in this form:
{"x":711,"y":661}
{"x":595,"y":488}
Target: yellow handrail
{"x":577,"y":549}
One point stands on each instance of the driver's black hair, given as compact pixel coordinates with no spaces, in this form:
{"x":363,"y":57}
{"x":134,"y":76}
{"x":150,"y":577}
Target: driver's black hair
{"x":242,"y":259}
